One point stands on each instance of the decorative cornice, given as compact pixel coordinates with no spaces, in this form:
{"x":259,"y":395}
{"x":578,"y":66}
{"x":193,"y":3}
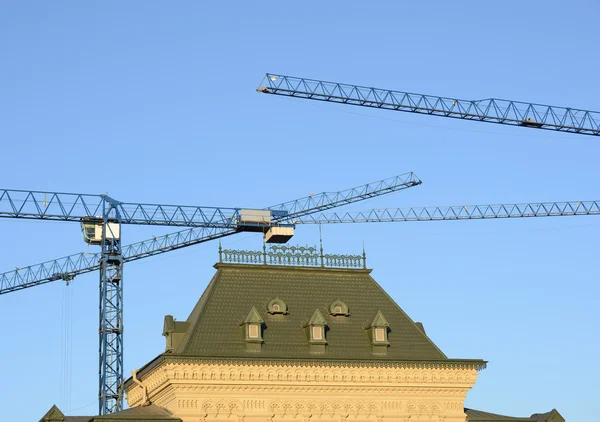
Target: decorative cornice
{"x":217,"y":371}
{"x":442,"y":364}
{"x":466,"y":364}
{"x":431,"y":391}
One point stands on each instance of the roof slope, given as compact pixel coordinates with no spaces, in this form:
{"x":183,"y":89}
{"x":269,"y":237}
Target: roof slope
{"x":480,"y":416}
{"x":148,"y":413}
{"x":215,"y":330}
{"x":145,"y":413}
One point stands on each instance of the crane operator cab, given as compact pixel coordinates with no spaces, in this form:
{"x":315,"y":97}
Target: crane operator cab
{"x":91,"y":229}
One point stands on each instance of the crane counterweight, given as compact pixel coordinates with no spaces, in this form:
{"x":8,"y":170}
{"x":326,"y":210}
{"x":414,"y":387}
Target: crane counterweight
{"x":279,"y":234}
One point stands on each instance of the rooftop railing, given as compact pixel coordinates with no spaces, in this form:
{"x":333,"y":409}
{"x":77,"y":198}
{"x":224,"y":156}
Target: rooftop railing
{"x":296,"y":256}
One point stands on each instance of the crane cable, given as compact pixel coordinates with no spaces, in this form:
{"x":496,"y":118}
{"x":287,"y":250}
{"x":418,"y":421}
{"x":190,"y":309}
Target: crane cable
{"x":66,"y":347}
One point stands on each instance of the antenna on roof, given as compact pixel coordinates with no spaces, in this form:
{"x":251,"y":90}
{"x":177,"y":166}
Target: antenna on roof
{"x":321,"y":246}
{"x":264,"y":250}
{"x":320,"y":238}
{"x":364,"y":256}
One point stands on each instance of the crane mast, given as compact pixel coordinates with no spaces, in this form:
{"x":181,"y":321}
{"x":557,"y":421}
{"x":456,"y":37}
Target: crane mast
{"x":110,"y":366}
{"x":491,"y":110}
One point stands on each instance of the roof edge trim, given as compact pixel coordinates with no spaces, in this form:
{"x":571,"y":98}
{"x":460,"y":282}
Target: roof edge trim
{"x":220,"y":265}
{"x":477,"y":364}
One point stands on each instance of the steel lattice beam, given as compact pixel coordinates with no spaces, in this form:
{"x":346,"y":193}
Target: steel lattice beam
{"x":75,"y":207}
{"x":459,"y":212}
{"x":492,"y":110}
{"x":328,"y":200}
{"x":68,"y":267}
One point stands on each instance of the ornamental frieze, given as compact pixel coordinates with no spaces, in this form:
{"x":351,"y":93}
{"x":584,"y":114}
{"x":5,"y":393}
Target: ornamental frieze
{"x":321,"y":409}
{"x":310,"y":375}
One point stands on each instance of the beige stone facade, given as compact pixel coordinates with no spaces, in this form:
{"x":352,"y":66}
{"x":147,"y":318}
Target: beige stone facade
{"x":320,"y":391}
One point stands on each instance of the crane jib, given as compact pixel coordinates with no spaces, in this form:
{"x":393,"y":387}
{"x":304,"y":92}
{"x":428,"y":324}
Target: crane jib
{"x":491,"y":110}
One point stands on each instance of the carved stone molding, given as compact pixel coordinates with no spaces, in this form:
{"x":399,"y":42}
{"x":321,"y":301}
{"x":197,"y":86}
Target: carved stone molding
{"x":286,"y":374}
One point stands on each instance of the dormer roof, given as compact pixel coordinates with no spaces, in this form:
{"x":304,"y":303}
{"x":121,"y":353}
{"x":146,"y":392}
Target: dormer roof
{"x":317,"y":318}
{"x":253,"y":317}
{"x":379,"y":320}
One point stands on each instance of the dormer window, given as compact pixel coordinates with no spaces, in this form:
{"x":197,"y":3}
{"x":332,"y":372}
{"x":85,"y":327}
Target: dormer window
{"x":338,"y":308}
{"x":378,"y":331}
{"x":316,"y":332}
{"x":379,"y":334}
{"x":253,"y":330}
{"x":277,"y":306}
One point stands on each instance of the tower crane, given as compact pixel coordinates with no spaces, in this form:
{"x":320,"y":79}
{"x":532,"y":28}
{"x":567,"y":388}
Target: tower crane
{"x":491,"y":110}
{"x":101,"y":218}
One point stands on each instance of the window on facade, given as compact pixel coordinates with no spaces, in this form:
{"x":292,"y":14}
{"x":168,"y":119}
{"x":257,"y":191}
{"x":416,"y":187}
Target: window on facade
{"x":317,"y":333}
{"x":338,"y":308}
{"x":379,"y":334}
{"x":277,"y":306}
{"x":253,"y":331}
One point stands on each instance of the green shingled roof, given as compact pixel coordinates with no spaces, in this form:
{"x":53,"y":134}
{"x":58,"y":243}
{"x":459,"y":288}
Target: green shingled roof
{"x":480,"y":416}
{"x":146,"y":413}
{"x":214,"y":324}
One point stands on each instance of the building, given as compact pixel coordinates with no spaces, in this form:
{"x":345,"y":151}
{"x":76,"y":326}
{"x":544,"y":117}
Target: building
{"x":295,"y":335}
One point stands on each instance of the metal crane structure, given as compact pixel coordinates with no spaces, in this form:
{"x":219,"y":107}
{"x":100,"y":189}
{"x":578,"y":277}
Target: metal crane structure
{"x":456,"y":212}
{"x":68,"y":267}
{"x":101,"y":218}
{"x":491,"y":110}
{"x":303,"y":211}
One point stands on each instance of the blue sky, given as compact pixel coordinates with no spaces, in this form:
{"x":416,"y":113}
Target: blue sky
{"x":156,"y":102}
